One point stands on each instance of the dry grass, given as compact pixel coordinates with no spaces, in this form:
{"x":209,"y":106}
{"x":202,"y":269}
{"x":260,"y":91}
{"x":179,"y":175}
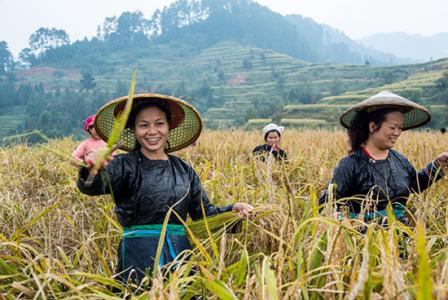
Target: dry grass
{"x":57,"y":243}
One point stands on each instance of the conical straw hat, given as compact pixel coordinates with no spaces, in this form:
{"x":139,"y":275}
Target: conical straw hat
{"x":414,"y":115}
{"x":185,"y":127}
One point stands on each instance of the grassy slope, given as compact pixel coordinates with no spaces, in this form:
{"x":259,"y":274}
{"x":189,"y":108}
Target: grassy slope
{"x":168,"y":66}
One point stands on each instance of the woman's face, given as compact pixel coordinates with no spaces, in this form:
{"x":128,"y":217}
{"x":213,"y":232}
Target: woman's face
{"x":151,"y":130}
{"x":385,"y":137}
{"x":273,"y":138}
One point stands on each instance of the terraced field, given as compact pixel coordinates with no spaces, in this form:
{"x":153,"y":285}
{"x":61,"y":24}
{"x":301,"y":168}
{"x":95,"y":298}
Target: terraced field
{"x":241,"y":74}
{"x":10,"y":119}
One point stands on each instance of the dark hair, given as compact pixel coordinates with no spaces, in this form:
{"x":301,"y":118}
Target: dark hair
{"x":359,"y":132}
{"x":273,"y":130}
{"x":141,"y":106}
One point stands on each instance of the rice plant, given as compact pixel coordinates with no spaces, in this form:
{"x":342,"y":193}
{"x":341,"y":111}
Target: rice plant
{"x":58,"y":243}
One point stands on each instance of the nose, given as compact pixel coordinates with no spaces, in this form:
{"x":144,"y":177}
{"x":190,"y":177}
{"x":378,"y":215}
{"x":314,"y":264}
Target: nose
{"x":151,"y":130}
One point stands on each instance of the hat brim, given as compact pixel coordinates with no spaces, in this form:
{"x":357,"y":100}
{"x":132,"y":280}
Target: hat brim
{"x":185,"y":125}
{"x":414,"y":115}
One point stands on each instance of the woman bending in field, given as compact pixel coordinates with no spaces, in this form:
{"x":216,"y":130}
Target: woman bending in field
{"x":147,"y":181}
{"x":373,"y":174}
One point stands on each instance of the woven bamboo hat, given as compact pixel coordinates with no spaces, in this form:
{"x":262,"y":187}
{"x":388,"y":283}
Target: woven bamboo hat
{"x":185,"y":125}
{"x":414,"y":115}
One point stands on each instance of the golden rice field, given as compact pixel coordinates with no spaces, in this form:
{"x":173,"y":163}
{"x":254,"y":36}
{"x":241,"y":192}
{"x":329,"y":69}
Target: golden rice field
{"x":58,"y":243}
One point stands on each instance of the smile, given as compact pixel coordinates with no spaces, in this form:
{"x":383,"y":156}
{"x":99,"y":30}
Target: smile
{"x":153,"y":140}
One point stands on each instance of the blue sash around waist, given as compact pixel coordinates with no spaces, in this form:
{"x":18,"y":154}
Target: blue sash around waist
{"x":152,"y":230}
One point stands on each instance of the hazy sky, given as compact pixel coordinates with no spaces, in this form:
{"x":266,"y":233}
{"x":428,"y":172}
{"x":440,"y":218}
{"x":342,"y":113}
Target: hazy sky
{"x":357,"y":18}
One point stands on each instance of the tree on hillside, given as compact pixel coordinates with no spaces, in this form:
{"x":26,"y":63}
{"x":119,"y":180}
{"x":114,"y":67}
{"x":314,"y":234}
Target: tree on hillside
{"x":109,"y":26}
{"x":128,"y":29}
{"x":46,"y":38}
{"x":6,"y":59}
{"x":27,"y":58}
{"x":7,"y":92}
{"x":302,"y":92}
{"x":336,"y":87}
{"x":221,"y":76}
{"x":87,"y":81}
{"x":247,"y":63}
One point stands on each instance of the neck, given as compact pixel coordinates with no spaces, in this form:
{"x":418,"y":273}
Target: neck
{"x":376,"y":152}
{"x":157,"y":155}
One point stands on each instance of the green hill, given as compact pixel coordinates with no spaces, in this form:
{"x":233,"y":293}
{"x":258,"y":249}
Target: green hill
{"x":230,"y":84}
{"x":235,"y":61}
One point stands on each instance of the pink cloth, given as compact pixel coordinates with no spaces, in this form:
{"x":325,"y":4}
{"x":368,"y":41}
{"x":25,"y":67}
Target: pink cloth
{"x":88,"y":122}
{"x":87,"y":148}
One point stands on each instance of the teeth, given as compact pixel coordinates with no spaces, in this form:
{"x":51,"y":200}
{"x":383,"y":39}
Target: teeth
{"x":153,"y":140}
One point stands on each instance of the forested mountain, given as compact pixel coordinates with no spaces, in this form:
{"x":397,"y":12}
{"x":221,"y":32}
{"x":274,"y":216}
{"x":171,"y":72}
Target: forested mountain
{"x":236,"y":61}
{"x":200,"y":24}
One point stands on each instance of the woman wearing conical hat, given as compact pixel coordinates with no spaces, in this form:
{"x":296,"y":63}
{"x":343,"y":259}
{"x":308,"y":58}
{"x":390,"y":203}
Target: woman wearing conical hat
{"x":148,"y":181}
{"x":373,"y":174}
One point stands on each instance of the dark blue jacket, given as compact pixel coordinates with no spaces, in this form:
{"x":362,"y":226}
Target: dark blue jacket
{"x":143,"y":191}
{"x":357,"y":175}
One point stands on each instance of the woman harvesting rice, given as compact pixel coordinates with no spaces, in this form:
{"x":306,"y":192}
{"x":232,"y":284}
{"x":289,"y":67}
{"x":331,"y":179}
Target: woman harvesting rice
{"x":147,"y":181}
{"x":373,"y":174}
{"x":272,"y":135}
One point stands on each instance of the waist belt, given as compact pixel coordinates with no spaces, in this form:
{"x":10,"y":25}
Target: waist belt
{"x":151,"y":231}
{"x":398,"y":210}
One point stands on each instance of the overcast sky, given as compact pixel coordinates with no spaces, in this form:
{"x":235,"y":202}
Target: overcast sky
{"x":357,"y":18}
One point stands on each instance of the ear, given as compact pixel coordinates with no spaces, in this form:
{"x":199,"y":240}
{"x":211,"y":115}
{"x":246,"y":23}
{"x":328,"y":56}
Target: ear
{"x":372,"y":127}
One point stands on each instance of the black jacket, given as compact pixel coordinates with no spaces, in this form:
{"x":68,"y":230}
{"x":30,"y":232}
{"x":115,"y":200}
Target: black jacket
{"x":263,"y":150}
{"x":357,"y":175}
{"x":144,"y":189}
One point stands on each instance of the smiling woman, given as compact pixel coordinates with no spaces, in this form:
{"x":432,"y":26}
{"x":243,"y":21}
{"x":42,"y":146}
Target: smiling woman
{"x":272,"y":135}
{"x":150,"y":122}
{"x":148,"y":182}
{"x":374,"y":175}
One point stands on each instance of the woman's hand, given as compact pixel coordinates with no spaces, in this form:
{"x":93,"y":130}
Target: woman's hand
{"x":96,"y":161}
{"x":441,"y":160}
{"x":243,"y":209}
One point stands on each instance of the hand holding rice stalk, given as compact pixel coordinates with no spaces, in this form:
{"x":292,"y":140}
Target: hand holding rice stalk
{"x":113,"y":143}
{"x":228,"y":221}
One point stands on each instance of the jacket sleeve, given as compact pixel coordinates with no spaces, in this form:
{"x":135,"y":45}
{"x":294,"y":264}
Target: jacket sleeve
{"x":343,"y":179}
{"x":106,"y":181}
{"x":424,"y":178}
{"x":198,"y":196}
